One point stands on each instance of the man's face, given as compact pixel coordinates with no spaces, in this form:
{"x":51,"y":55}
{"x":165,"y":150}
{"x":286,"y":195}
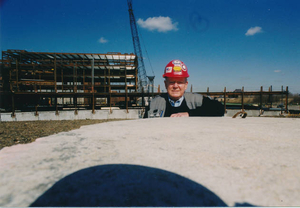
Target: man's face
{"x":176,"y":87}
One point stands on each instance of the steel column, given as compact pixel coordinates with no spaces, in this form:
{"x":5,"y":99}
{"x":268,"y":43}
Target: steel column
{"x":36,"y":111}
{"x":287,"y":99}
{"x":281,"y":99}
{"x":93,"y":86}
{"x":243,"y":99}
{"x":270,"y":97}
{"x":62,"y":84}
{"x":225,"y":99}
{"x":56,"y":106}
{"x":55,"y":78}
{"x":17,"y":74}
{"x":126,"y":92}
{"x":109,"y":88}
{"x":13,"y":115}
{"x":143,"y":97}
{"x":260,"y":98}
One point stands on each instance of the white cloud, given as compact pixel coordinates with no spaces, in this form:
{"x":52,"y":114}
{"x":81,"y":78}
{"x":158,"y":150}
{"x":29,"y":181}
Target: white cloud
{"x":253,"y":30}
{"x":161,"y":24}
{"x":102,"y":40}
{"x":277,"y":71}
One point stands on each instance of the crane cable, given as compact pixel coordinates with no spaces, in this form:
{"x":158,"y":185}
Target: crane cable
{"x":146,"y":52}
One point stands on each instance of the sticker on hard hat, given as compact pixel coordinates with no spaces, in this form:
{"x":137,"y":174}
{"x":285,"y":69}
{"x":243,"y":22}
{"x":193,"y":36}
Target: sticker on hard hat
{"x":176,"y":62}
{"x":177,"y":69}
{"x":183,"y":67}
{"x":178,"y":73}
{"x":168,"y":69}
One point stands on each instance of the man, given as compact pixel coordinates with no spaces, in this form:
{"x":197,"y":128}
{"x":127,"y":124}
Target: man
{"x":177,"y":102}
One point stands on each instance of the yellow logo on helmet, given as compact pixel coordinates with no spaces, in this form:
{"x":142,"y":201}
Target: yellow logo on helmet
{"x":177,"y":68}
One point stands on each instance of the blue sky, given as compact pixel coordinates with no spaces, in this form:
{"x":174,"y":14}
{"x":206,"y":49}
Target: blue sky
{"x":224,"y":43}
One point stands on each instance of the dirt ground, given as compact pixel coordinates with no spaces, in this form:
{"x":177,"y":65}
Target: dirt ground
{"x":22,"y":132}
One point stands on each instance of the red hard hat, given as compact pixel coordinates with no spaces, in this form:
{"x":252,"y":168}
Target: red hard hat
{"x":176,"y":68}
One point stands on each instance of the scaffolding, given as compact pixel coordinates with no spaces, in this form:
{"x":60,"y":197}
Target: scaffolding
{"x":66,"y":80}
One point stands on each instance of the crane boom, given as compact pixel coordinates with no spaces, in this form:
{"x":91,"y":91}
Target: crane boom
{"x":137,"y":49}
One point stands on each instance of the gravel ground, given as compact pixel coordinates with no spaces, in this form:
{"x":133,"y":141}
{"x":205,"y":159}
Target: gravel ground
{"x":22,"y":132}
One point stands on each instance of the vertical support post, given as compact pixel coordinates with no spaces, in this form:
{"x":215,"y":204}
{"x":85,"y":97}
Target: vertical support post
{"x":136,"y":75}
{"x":13,"y":115}
{"x":148,"y":93}
{"x":109,"y":88}
{"x":55,"y":78}
{"x":270,"y":96}
{"x":62,"y":84}
{"x":40,"y":77}
{"x":56,"y":106}
{"x":260,"y":98}
{"x":105,"y":82}
{"x":126,"y":92}
{"x":143,"y":99}
{"x":151,"y":83}
{"x":281,"y":99}
{"x":93,"y":86}
{"x":75,"y":103}
{"x":75,"y":77}
{"x":126,"y":98}
{"x":225,"y":100}
{"x":36,"y":111}
{"x":83,"y":79}
{"x":243,"y":108}
{"x":158,"y":89}
{"x":35,"y":88}
{"x":152,"y":89}
{"x":208,"y":91}
{"x":74,"y":87}
{"x":83,"y":87}
{"x":36,"y":106}
{"x":55,"y":86}
{"x":287,"y":99}
{"x":93,"y":107}
{"x":17,"y":74}
{"x":10,"y":69}
{"x":191,"y":88}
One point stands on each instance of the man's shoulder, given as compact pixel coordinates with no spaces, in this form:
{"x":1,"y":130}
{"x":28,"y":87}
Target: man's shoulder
{"x":193,"y":100}
{"x":159,"y":99}
{"x":162,"y":96}
{"x":190,"y":95}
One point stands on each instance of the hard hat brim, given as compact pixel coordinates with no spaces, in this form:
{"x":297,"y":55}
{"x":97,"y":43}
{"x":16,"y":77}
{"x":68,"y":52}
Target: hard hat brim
{"x":176,"y":76}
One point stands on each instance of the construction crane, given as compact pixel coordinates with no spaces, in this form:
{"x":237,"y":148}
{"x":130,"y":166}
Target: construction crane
{"x":137,"y":49}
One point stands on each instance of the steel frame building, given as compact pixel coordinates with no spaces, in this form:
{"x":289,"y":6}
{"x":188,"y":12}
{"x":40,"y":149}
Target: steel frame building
{"x":42,"y":79}
{"x":36,"y":81}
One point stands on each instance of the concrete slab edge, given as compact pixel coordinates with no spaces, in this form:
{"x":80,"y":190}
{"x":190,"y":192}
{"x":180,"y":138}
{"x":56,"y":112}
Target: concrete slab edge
{"x":109,"y":114}
{"x":70,"y":115}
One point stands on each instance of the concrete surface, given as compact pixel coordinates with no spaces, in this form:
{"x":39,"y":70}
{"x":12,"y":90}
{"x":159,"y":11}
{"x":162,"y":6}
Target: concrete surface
{"x":157,"y":162}
{"x":256,"y":113}
{"x":70,"y":115}
{"x":106,"y":114}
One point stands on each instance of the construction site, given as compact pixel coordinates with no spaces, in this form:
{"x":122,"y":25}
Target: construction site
{"x":59,"y":82}
{"x":89,"y":82}
{"x":72,"y":133}
{"x":39,"y":81}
